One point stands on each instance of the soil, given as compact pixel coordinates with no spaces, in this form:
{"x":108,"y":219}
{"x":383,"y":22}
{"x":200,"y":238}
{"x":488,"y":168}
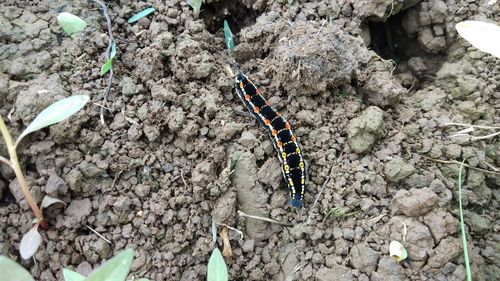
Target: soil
{"x":368,"y":87}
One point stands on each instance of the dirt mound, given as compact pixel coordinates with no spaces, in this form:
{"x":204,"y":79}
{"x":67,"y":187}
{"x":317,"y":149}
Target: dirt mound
{"x":368,"y":99}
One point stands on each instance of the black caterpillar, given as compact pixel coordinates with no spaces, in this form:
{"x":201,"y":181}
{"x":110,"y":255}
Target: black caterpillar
{"x":280,"y":132}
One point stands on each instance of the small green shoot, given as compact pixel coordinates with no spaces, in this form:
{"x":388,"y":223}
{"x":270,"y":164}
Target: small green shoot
{"x":109,"y":63}
{"x":141,"y":14}
{"x":482,"y":35}
{"x":106,"y":66}
{"x":113,"y":50}
{"x":116,"y":269}
{"x":11,"y":270}
{"x":397,"y":251}
{"x":462,"y":225}
{"x":53,"y":114}
{"x":228,"y":36}
{"x":217,"y":269}
{"x":70,"y":23}
{"x":70,"y":275}
{"x":195,"y":4}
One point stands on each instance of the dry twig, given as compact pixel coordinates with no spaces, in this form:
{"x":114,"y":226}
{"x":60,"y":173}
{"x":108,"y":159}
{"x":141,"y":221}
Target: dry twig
{"x":241,"y":214}
{"x":465,"y":165}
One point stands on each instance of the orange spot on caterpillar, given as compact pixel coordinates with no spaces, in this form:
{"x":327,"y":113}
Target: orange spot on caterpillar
{"x":293,"y":138}
{"x":279,"y":144}
{"x":247,"y":97}
{"x":267,"y":122}
{"x":256,"y":109}
{"x":287,"y":125}
{"x":274,"y":132}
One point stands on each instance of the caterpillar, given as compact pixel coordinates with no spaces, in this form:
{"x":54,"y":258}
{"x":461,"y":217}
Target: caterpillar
{"x":281,"y":134}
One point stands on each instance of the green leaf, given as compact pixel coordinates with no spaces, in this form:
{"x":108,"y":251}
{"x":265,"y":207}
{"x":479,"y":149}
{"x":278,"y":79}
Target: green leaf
{"x":228,"y":36}
{"x":217,"y":269}
{"x":55,"y":113}
{"x":195,"y":4}
{"x":482,"y":35}
{"x":30,"y":242}
{"x":113,"y":50}
{"x":70,"y":275}
{"x":141,"y":14}
{"x":106,"y":66}
{"x":70,"y":23}
{"x":11,"y":270}
{"x":116,"y":269}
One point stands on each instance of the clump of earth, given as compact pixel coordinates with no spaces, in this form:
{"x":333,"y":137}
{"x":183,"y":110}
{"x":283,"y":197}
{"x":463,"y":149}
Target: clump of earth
{"x":374,"y":90}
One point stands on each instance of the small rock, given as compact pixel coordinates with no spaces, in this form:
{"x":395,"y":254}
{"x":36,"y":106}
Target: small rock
{"x":90,"y":170}
{"x":272,"y":267}
{"x":142,"y":190}
{"x":364,"y":258}
{"x":134,"y":133}
{"x":348,"y":234}
{"x":270,"y":173}
{"x":138,"y":262}
{"x":389,"y":268}
{"x":418,"y":237}
{"x":76,"y":210}
{"x":248,"y":246}
{"x":248,"y":139}
{"x":453,"y":151}
{"x":55,"y":185}
{"x":441,"y":224}
{"x":102,"y":248}
{"x":84,"y":268}
{"x":224,"y":207}
{"x":428,"y":98}
{"x":479,"y":224}
{"x":363,"y":130}
{"x":203,"y":173}
{"x":151,"y":132}
{"x":413,"y":202}
{"x":382,"y":89}
{"x":418,"y":181}
{"x":122,"y":204}
{"x":336,"y":273}
{"x":449,"y":249}
{"x":396,"y":170}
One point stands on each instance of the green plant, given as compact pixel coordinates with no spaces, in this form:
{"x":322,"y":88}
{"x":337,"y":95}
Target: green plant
{"x":141,"y":14}
{"x":462,"y":225}
{"x":70,"y":23}
{"x":217,"y":269}
{"x":228,"y":36}
{"x":116,"y":269}
{"x":482,"y":35}
{"x":109,"y":63}
{"x":53,"y":114}
{"x":195,"y":4}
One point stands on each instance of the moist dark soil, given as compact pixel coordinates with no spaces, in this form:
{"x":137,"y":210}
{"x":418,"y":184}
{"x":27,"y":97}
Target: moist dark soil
{"x":369,"y":87}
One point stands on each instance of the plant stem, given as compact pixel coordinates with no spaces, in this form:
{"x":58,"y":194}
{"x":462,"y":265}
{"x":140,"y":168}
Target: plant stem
{"x":5,"y":161}
{"x":14,"y":163}
{"x":462,"y":224}
{"x":108,"y":53}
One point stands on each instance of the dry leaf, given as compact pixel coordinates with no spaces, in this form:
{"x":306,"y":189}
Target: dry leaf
{"x":227,"y":252}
